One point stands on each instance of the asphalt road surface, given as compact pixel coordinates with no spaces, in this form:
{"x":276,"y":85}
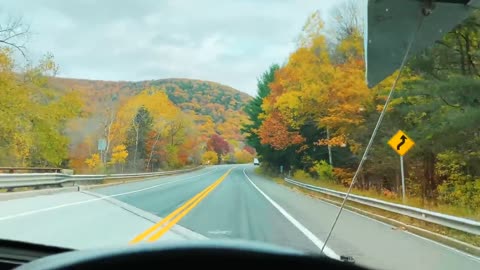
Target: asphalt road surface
{"x":220,"y":202}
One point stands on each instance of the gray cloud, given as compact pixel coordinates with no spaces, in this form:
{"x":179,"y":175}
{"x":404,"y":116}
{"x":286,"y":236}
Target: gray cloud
{"x":230,"y":42}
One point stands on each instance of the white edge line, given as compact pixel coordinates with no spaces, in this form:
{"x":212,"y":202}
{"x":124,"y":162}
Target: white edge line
{"x":317,"y":242}
{"x":475,"y":258}
{"x":410,"y":233}
{"x":27,"y":213}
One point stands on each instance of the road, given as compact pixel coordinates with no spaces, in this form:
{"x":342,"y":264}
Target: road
{"x":221,"y":202}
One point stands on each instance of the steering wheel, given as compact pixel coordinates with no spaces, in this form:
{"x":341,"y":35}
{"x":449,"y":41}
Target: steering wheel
{"x":210,"y":254}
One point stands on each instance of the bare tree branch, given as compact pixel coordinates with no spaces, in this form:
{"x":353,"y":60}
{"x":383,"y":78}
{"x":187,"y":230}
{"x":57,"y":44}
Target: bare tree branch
{"x":20,"y":48}
{"x":15,"y":35}
{"x":347,"y":18}
{"x":449,"y":104}
{"x":444,"y":101}
{"x":11,"y":34}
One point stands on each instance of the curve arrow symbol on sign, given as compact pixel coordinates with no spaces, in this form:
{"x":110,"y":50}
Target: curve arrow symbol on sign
{"x":403,"y":138}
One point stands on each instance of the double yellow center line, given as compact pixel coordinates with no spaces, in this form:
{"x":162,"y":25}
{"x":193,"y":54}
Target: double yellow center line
{"x":169,"y":221}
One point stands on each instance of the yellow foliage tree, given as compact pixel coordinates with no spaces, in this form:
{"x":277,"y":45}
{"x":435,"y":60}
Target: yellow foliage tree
{"x":314,"y":88}
{"x":210,"y":158}
{"x":119,"y":154}
{"x":155,"y":101}
{"x":243,"y":156}
{"x":33,"y":116}
{"x":93,"y":162}
{"x":168,"y":123}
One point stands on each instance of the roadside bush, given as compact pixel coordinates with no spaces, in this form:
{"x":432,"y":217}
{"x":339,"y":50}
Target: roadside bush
{"x":413,"y":186}
{"x":322,"y":170}
{"x":389,"y":194}
{"x":466,"y":194}
{"x":343,"y":176}
{"x":301,"y":175}
{"x":458,"y":188}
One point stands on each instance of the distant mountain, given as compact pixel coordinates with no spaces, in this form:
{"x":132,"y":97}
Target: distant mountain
{"x":204,"y":99}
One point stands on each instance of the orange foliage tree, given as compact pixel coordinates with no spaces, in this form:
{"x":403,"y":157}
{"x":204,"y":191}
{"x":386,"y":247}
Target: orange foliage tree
{"x":315,"y":88}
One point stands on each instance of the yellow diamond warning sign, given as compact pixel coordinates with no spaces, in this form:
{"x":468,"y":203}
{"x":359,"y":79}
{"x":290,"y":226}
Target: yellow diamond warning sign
{"x":401,"y":143}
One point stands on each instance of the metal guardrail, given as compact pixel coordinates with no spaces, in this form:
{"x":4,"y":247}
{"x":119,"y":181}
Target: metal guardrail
{"x":462,"y":224}
{"x":30,"y":169}
{"x":10,"y":181}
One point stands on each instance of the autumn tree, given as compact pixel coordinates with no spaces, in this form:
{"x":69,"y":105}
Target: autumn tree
{"x":243,"y":156}
{"x":249,"y":149}
{"x":172,"y":131}
{"x":137,"y":135}
{"x":347,"y":20}
{"x":275,"y":132}
{"x":93,"y":162}
{"x":119,"y":155}
{"x":32,"y":132}
{"x":189,"y":152}
{"x":165,"y":123}
{"x":209,"y":158}
{"x":255,"y":111}
{"x":217,"y":144}
{"x":175,"y":135}
{"x":108,"y":115}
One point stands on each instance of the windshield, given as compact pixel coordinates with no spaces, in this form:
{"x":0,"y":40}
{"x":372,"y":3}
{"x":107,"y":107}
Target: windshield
{"x":126,"y":122}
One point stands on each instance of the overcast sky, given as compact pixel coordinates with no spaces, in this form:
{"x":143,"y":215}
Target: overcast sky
{"x":230,"y":42}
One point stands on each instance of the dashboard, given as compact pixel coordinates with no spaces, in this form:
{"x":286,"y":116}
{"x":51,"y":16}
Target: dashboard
{"x":211,"y":254}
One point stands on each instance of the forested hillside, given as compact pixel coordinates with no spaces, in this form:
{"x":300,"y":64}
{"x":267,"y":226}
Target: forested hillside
{"x":198,"y":110}
{"x":202,"y":97}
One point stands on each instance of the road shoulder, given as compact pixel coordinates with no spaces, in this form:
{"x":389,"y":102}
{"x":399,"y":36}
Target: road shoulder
{"x":367,"y":240}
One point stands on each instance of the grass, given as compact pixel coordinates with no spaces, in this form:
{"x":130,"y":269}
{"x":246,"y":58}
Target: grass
{"x":258,"y":170}
{"x":16,"y":189}
{"x":275,"y":178}
{"x":124,"y":180}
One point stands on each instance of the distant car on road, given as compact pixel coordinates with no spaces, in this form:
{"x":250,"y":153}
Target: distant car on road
{"x":256,"y":162}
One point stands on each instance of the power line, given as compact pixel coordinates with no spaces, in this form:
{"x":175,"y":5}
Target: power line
{"x":377,"y":126}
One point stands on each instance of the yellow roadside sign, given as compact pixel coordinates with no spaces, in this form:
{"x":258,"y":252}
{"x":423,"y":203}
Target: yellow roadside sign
{"x":401,"y":143}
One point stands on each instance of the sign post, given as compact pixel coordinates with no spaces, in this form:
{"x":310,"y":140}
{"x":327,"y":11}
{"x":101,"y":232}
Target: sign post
{"x":102,"y":146}
{"x":401,"y":144}
{"x":403,"y":179}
